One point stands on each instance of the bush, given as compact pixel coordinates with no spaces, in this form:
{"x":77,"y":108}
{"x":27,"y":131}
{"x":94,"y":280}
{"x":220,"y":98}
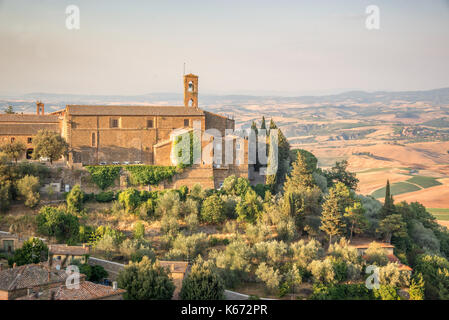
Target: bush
{"x":104,"y":176}
{"x":386,"y":292}
{"x":75,"y":199}
{"x":187,"y":247}
{"x":33,"y":250}
{"x":269,"y":276}
{"x":341,"y":292}
{"x":107,"y":196}
{"x":55,"y":222}
{"x":146,"y":280}
{"x":129,"y":199}
{"x":202,"y":283}
{"x":28,"y":189}
{"x":213,"y":210}
{"x":139,"y":230}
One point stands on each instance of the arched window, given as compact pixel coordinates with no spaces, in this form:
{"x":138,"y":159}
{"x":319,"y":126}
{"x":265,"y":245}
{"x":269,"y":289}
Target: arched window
{"x":191,"y":87}
{"x":191,"y":103}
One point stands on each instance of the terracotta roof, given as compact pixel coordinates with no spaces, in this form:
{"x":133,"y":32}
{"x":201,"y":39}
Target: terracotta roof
{"x":19,"y":117}
{"x":87,"y":291}
{"x":28,"y":276}
{"x":175,"y":266}
{"x":26,"y":128}
{"x":86,"y":110}
{"x":393,"y":258}
{"x":64,"y":249}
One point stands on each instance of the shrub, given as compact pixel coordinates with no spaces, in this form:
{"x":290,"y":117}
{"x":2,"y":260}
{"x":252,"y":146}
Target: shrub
{"x":341,"y":292}
{"x":129,"y":199}
{"x":74,"y":199}
{"x":107,"y":196}
{"x":28,"y":189}
{"x":375,"y":254}
{"x":269,"y":276}
{"x":139,"y":230}
{"x":104,"y":176}
{"x":322,"y":271}
{"x":212,"y":210}
{"x":202,"y":283}
{"x":33,"y":250}
{"x":386,"y":292}
{"x":146,"y":280}
{"x":55,"y":222}
{"x":187,"y":247}
{"x":304,"y":253}
{"x":192,"y":222}
{"x":250,"y":208}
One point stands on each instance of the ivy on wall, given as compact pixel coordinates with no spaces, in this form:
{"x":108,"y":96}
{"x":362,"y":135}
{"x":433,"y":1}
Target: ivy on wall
{"x":104,"y":176}
{"x":150,"y":175}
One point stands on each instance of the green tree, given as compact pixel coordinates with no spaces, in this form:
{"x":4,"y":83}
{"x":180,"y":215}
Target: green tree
{"x":28,"y":189}
{"x":393,"y":225}
{"x":202,"y":283}
{"x":129,"y":199}
{"x":146,"y":280}
{"x":339,"y":173}
{"x":250,"y":208}
{"x":275,"y":181}
{"x":213,"y":210}
{"x":388,"y":207}
{"x":356,"y":218}
{"x":139,"y":230}
{"x":75,"y":199}
{"x":332,"y":222}
{"x":417,"y":285}
{"x":33,"y":250}
{"x":55,"y":222}
{"x":13,"y":150}
{"x":49,"y":144}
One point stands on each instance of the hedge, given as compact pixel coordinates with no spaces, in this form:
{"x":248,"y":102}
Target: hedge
{"x":104,"y":176}
{"x":150,"y":175}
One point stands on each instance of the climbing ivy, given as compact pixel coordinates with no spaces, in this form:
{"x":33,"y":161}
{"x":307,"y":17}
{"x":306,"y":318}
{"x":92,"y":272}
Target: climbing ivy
{"x":104,"y":176}
{"x":150,"y":175}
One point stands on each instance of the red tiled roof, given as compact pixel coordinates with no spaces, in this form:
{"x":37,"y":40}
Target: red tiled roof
{"x":64,"y":249}
{"x":28,"y":276}
{"x":86,"y":291}
{"x":86,"y":110}
{"x":20,"y":117}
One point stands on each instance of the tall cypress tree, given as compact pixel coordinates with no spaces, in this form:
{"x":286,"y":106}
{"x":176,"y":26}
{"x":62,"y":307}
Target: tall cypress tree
{"x":388,"y":207}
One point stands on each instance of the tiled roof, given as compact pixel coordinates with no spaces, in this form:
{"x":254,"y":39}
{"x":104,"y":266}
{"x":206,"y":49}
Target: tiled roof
{"x":87,"y":291}
{"x":26,"y":128}
{"x":87,"y":110}
{"x":19,"y":117}
{"x":64,"y":249}
{"x":28,"y":276}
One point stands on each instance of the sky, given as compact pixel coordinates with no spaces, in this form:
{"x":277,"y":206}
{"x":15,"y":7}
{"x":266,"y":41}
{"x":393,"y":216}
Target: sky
{"x":256,"y":47}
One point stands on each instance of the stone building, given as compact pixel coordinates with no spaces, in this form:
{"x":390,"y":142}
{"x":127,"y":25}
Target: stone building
{"x":109,"y":134}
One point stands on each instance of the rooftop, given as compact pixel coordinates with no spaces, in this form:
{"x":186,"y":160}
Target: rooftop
{"x":28,"y":276}
{"x":64,"y":249}
{"x":87,"y":110}
{"x":87,"y":291}
{"x":28,"y":118}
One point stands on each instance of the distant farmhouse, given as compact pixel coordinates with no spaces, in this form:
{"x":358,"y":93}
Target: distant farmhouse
{"x":132,"y":134}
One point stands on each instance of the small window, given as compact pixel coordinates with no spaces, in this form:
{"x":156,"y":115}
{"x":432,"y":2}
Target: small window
{"x":114,"y":123}
{"x":93,"y":139}
{"x":30,"y":140}
{"x":13,"y":139}
{"x":149,"y":123}
{"x":186,"y":122}
{"x":190,"y":86}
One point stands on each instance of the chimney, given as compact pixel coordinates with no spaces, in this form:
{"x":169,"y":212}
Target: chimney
{"x":114,"y":285}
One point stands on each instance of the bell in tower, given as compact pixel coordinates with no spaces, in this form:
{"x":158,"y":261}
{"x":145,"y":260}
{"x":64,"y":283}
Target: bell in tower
{"x":191,"y":90}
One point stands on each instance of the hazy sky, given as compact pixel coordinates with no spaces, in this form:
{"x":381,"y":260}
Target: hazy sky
{"x":235,"y":46}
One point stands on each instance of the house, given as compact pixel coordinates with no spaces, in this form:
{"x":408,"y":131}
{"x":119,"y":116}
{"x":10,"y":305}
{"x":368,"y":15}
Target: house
{"x":87,"y":291}
{"x":16,"y":282}
{"x":362,"y":244}
{"x":63,"y":254}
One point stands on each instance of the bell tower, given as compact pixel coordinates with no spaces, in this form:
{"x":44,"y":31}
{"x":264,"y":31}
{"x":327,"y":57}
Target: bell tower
{"x":191,"y":90}
{"x":39,"y":108}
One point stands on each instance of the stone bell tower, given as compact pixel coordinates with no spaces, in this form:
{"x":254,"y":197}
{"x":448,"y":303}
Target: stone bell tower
{"x":191,"y":90}
{"x":39,"y":108}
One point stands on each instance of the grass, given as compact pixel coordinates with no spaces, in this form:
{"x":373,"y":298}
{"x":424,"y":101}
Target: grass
{"x":396,"y":188}
{"x":374,"y":170}
{"x":424,"y":182}
{"x":439,"y":213}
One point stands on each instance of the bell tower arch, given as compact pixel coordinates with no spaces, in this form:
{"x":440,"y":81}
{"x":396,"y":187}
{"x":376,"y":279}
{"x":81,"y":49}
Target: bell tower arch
{"x":191,"y":90}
